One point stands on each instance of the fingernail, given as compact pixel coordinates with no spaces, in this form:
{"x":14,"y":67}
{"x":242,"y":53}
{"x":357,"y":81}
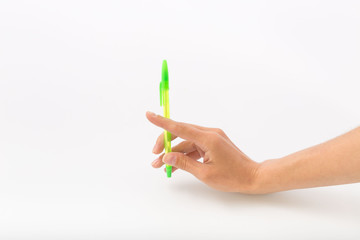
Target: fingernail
{"x":154,"y":148}
{"x":169,"y":159}
{"x":155,"y":161}
{"x":151,"y":113}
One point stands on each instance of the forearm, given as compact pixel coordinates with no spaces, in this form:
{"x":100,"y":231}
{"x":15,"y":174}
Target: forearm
{"x":331,"y":163}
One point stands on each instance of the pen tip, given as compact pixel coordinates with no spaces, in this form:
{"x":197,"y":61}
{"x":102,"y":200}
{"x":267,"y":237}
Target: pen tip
{"x":168,"y":171}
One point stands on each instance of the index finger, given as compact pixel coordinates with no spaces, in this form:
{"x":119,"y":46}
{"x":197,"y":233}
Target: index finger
{"x":159,"y":145}
{"x":183,"y":130}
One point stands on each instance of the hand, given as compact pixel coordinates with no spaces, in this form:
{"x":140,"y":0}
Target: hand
{"x":225,"y":167}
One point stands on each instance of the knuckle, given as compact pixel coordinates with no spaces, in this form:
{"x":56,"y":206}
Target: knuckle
{"x":192,"y":145}
{"x":184,"y":164}
{"x":214,"y":138}
{"x":176,"y":128}
{"x":180,"y":163}
{"x":219,"y":131}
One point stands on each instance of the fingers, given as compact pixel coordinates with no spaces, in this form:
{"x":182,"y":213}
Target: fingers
{"x":159,"y":145}
{"x":194,"y":155}
{"x":183,"y":130}
{"x":184,"y":162}
{"x":218,"y":131}
{"x":184,"y":147}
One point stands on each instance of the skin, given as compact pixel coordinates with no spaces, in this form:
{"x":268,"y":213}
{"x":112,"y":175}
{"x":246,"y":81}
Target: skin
{"x":226,"y":168}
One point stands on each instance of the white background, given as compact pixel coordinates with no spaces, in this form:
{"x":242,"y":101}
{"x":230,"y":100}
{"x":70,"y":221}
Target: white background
{"x":76,"y":78}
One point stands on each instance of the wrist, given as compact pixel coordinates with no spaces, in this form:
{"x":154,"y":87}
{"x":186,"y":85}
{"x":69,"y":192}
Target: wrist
{"x":262,"y":183}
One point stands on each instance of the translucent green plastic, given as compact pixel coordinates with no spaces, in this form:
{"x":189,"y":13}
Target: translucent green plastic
{"x":164,"y":101}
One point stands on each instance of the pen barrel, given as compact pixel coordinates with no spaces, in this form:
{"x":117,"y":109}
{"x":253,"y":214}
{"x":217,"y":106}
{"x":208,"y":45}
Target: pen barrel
{"x":166,"y":103}
{"x":167,"y":135}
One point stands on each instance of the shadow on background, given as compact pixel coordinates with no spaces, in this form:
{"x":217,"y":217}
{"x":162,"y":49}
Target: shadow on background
{"x":336,"y":201}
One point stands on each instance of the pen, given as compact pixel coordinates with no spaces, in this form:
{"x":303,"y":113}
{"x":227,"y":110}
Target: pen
{"x":164,"y":101}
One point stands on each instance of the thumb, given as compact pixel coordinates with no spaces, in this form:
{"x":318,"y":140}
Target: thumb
{"x":181,"y":161}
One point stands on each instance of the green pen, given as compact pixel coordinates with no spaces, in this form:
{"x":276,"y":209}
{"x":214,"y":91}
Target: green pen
{"x":164,"y":101}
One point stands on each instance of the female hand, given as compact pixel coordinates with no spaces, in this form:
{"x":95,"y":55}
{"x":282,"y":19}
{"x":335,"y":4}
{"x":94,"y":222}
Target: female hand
{"x":225,"y":167}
